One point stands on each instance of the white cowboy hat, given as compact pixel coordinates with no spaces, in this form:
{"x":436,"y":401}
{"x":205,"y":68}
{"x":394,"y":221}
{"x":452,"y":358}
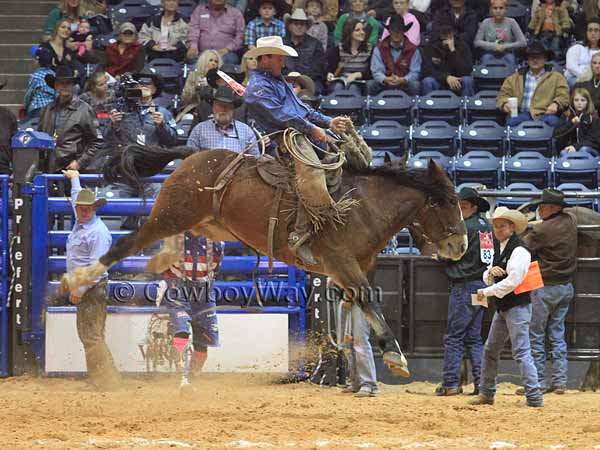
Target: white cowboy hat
{"x":271,"y":45}
{"x":512,"y":215}
{"x":298,"y":15}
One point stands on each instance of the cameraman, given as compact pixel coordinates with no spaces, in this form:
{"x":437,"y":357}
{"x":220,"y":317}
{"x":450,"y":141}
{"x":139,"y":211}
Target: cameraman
{"x":142,"y":123}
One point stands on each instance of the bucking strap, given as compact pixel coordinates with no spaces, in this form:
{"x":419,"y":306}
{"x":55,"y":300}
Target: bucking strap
{"x":222,"y":182}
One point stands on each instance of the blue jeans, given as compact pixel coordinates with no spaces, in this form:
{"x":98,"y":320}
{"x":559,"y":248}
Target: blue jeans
{"x":550,"y":307}
{"x":507,"y":58}
{"x":359,"y":353}
{"x":549,"y":119}
{"x":338,"y":86}
{"x":374,"y":87}
{"x":463,"y":328}
{"x":431,"y":84}
{"x":513,"y":324}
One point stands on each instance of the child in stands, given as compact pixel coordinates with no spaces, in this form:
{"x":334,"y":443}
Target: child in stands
{"x":580,"y":127}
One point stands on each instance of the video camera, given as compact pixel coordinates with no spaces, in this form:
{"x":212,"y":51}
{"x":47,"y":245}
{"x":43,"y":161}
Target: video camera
{"x":128,"y":94}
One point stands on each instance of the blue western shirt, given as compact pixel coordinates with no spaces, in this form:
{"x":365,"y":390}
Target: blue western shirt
{"x":236,"y":137}
{"x":38,"y":93}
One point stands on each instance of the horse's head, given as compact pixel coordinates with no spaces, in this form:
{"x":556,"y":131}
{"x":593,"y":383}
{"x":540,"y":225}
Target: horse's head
{"x":440,"y":220}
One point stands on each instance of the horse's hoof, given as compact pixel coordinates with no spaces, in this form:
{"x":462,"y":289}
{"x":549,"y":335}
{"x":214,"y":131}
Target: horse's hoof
{"x":397,"y":364}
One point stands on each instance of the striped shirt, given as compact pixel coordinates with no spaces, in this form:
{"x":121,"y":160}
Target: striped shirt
{"x":257,"y":28}
{"x":531,"y":82}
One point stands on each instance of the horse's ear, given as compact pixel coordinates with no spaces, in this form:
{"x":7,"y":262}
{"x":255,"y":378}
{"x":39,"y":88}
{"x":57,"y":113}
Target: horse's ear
{"x":433,"y":169}
{"x":404,"y":160}
{"x":386,"y":158}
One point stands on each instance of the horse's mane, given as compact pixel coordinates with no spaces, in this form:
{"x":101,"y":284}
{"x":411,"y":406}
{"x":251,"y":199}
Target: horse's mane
{"x":419,"y":179}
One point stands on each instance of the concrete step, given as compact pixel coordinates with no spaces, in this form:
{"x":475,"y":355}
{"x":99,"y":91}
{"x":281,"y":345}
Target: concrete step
{"x":19,"y":36}
{"x":27,"y":7}
{"x":17,"y":65}
{"x":16,"y":50}
{"x":25,"y":22}
{"x":12,"y":96}
{"x":15,"y":80}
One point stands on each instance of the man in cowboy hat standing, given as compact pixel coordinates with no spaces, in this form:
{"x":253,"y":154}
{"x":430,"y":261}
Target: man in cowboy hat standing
{"x":464,"y":318}
{"x":396,"y":62}
{"x":72,"y":122}
{"x":513,"y":311}
{"x":542,"y":93}
{"x":274,"y":106}
{"x":553,"y":243}
{"x":88,"y":241}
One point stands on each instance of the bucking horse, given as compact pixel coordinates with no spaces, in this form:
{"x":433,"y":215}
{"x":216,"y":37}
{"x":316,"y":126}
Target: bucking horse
{"x":205,"y":196}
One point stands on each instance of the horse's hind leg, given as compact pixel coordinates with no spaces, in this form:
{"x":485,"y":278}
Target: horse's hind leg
{"x":350,"y":277}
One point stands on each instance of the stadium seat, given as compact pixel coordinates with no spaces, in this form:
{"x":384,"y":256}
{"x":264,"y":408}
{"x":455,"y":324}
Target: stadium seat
{"x":420,"y":160}
{"x":186,"y":8}
{"x":531,"y":135}
{"x":483,"y":135}
{"x":104,"y":40}
{"x":29,"y":123}
{"x":391,"y":105}
{"x":344,"y":103}
{"x":134,"y":11}
{"x":386,"y":135}
{"x":170,"y":71}
{"x":577,"y":167}
{"x":490,"y":76}
{"x":435,"y":135}
{"x":439,"y":105}
{"x":528,"y":167}
{"x":515,"y":202}
{"x":519,"y":12}
{"x":586,"y":202}
{"x":482,"y":106}
{"x":478,"y":167}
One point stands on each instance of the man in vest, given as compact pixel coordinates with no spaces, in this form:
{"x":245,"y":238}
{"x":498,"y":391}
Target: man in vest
{"x":396,"y":62}
{"x":464,"y":318}
{"x":513,"y":311}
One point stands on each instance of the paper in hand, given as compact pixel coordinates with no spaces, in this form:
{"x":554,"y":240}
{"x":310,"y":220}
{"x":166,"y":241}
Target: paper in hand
{"x":476,"y":302}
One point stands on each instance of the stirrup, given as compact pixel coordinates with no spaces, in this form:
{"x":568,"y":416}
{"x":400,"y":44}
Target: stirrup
{"x":301,"y":248}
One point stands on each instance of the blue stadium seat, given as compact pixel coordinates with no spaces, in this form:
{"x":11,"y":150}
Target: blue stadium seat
{"x":528,"y":167}
{"x":391,"y":105}
{"x":519,"y":12}
{"x":344,"y":103}
{"x":135,"y":11}
{"x":478,"y":167}
{"x":420,"y":160}
{"x":385,"y":135}
{"x":439,"y":105}
{"x":435,"y":135}
{"x":490,"y":76}
{"x":515,"y":202}
{"x":484,"y":135}
{"x":577,"y":187}
{"x":532,"y":135}
{"x":482,"y":106}
{"x":577,"y":167}
{"x":186,"y":8}
{"x":29,"y":123}
{"x":170,"y":71}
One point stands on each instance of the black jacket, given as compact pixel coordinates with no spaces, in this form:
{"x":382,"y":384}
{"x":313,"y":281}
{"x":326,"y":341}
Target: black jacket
{"x":466,"y":25}
{"x":310,"y":60}
{"x":585,"y":133}
{"x":8,"y":127}
{"x":470,"y":267}
{"x":439,"y":61}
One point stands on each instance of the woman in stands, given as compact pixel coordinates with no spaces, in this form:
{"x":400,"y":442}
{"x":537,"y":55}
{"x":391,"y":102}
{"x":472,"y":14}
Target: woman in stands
{"x":247,"y":66}
{"x":100,"y":96}
{"x":127,"y":54}
{"x":72,"y":10}
{"x":349,"y":61}
{"x":579,"y":56}
{"x":580,"y":129}
{"x":164,"y":34}
{"x":208,"y":59}
{"x":62,"y":55}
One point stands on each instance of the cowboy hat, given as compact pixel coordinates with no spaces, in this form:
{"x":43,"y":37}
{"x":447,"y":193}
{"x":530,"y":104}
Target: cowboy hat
{"x":233,"y":70}
{"x":224,"y":94}
{"x":299,"y":16}
{"x":551,"y":197}
{"x":271,"y":45}
{"x":537,"y":49}
{"x":87,"y":198}
{"x":471,"y":195}
{"x":150,"y":74}
{"x":279,"y":6}
{"x":396,"y":23}
{"x":306,"y":83}
{"x":512,"y":215}
{"x":63,"y":73}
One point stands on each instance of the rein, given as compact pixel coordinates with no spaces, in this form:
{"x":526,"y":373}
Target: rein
{"x":431,"y":238}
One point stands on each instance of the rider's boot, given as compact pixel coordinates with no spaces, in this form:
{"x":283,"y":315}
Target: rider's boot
{"x":299,"y":239}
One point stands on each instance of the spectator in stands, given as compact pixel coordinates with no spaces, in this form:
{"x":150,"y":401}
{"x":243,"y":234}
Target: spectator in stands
{"x":591,"y":81}
{"x":247,"y":66}
{"x":553,"y":243}
{"x":541,"y":92}
{"x":464,"y":318}
{"x":61,"y":53}
{"x":164,"y":34}
{"x":349,"y":61}
{"x":579,"y":56}
{"x":127,"y":54}
{"x":499,"y":36}
{"x":300,"y":83}
{"x":72,"y":122}
{"x":447,"y":62}
{"x":38,"y":93}
{"x":513,"y":311}
{"x":464,"y":20}
{"x":421,"y":5}
{"x":318,"y":28}
{"x":311,"y":57}
{"x":358,"y":12}
{"x":87,"y":242}
{"x":550,"y":23}
{"x":396,"y":61}
{"x":580,"y":127}
{"x":72,"y":10}
{"x":97,"y":92}
{"x":413,"y":31}
{"x":81,"y":41}
{"x":216,"y":26}
{"x":223,"y":131}
{"x":266,"y":24}
{"x":209,"y":59}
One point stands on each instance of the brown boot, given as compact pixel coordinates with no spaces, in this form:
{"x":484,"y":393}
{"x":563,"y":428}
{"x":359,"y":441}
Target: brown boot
{"x":482,"y":400}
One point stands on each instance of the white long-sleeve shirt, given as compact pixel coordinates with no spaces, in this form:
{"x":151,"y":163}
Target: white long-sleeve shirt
{"x":516,"y":268}
{"x":579,"y":59}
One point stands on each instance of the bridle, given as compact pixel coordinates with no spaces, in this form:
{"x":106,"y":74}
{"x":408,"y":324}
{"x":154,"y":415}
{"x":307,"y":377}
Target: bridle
{"x":431,"y":208}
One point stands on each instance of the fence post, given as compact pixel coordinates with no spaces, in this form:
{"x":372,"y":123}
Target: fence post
{"x":4,"y":279}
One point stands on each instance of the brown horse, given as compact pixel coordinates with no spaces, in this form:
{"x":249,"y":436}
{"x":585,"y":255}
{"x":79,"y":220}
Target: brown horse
{"x":389,"y":199}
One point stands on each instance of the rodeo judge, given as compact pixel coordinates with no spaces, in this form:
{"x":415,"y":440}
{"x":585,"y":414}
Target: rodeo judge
{"x":464,"y":318}
{"x":274,"y":106}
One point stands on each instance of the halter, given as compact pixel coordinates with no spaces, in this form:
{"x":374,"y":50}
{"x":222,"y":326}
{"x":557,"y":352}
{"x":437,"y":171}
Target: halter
{"x":447,"y":230}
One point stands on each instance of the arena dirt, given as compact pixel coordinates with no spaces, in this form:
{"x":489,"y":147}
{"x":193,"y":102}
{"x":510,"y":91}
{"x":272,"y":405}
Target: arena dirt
{"x":250,"y":411}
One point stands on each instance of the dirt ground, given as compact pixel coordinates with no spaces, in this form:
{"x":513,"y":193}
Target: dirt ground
{"x":237,"y":411}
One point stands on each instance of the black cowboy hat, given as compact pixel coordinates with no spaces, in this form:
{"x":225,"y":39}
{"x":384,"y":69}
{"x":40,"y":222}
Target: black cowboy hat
{"x":279,"y":6}
{"x":150,"y":74}
{"x":397,"y":24}
{"x":225,"y":94}
{"x":551,"y":197}
{"x":63,"y":73}
{"x":536,"y":48}
{"x":471,"y":195}
{"x":233,"y":70}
